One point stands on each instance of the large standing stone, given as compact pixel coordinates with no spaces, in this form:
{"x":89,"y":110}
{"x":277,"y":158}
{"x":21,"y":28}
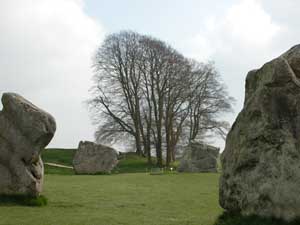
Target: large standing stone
{"x":261,"y":160}
{"x":199,"y":157}
{"x":24,"y":132}
{"x":91,"y":158}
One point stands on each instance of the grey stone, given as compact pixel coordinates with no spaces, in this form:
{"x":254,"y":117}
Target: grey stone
{"x":25,"y":130}
{"x":199,"y":157}
{"x":261,"y":160}
{"x":91,"y":158}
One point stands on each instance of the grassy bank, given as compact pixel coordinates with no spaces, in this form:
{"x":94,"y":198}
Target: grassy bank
{"x":128,"y":162}
{"x":58,"y":155}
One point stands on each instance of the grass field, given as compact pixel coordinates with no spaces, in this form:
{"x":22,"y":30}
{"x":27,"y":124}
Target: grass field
{"x":124,"y":199}
{"x":129,"y":196}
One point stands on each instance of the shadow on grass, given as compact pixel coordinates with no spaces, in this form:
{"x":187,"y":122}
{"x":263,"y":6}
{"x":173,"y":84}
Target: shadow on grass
{"x":23,"y":200}
{"x":237,"y":219}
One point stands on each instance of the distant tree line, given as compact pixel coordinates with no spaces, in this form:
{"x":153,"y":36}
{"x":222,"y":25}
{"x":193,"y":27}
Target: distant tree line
{"x":147,"y":92}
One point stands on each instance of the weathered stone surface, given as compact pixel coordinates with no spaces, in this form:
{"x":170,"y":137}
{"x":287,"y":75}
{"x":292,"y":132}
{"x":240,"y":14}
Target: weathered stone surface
{"x":261,"y":160}
{"x":199,"y":157}
{"x":24,"y":132}
{"x":91,"y":158}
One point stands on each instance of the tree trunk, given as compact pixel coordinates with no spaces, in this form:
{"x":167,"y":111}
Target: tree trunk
{"x":158,"y":149}
{"x":138,"y":144}
{"x":168,"y":156}
{"x":173,"y":154}
{"x":168,"y":126}
{"x":149,"y":159}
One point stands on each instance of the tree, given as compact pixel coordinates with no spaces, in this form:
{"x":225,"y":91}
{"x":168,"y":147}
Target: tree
{"x":148,"y":92}
{"x":156,"y":69}
{"x":208,"y":100}
{"x":176,"y":109}
{"x":117,"y":89}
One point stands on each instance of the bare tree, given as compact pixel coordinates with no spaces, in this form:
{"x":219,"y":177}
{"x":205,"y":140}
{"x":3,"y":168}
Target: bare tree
{"x":148,"y":92}
{"x":155,"y":69}
{"x":117,"y":89}
{"x":176,"y":109}
{"x":208,"y":100}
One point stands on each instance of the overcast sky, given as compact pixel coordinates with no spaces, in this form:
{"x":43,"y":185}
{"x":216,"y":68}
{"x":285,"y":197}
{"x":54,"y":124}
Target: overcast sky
{"x":46,"y":46}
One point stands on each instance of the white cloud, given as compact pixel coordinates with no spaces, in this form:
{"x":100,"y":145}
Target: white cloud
{"x":241,"y":39}
{"x":46,"y":48}
{"x":250,"y":24}
{"x":244,"y":26}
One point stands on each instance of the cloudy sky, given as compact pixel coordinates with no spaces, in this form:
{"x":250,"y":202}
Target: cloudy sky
{"x":46,"y":46}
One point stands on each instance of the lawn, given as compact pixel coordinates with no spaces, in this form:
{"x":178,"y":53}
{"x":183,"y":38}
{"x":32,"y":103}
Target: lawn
{"x":124,"y":199}
{"x":129,"y":196}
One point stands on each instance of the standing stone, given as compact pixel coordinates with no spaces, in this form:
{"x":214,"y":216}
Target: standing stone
{"x":199,"y":157}
{"x":91,"y":158}
{"x":25,"y":130}
{"x":261,"y":160}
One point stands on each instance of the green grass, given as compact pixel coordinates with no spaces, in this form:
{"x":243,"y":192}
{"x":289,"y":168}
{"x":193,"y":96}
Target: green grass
{"x":132,"y":163}
{"x":236,"y":219}
{"x":129,"y":199}
{"x":122,"y":199}
{"x":25,"y":200}
{"x":128,"y":163}
{"x":59,"y":156}
{"x":128,"y":196}
{"x":58,"y":170}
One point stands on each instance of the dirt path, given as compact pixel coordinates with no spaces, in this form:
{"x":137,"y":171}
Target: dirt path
{"x":58,"y":165}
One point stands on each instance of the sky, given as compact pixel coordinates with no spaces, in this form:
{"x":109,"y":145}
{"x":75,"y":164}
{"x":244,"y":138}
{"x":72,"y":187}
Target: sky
{"x":46,"y":46}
